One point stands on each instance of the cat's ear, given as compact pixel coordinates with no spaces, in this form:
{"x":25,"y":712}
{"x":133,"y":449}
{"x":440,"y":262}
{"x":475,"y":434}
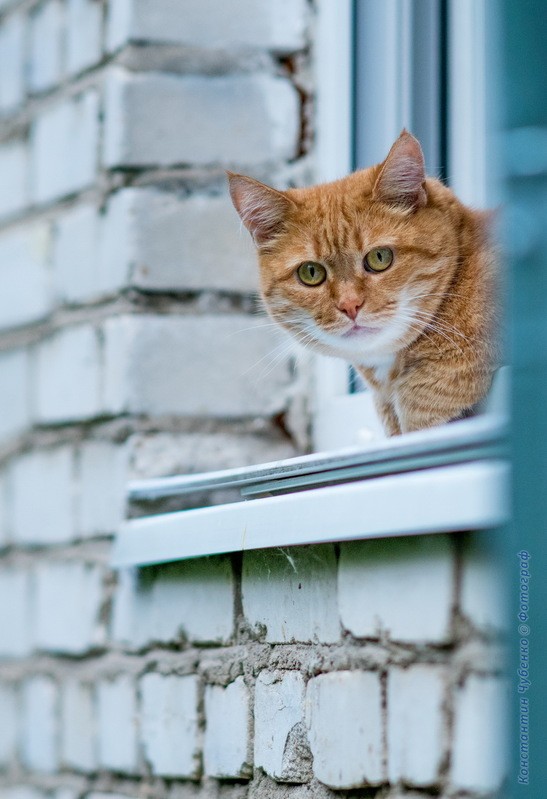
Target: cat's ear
{"x":261,"y":208}
{"x":402,"y":175}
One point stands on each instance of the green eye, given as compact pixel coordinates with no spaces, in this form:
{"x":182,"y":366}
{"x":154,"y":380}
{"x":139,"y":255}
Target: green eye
{"x":311,"y":274}
{"x":378,"y":259}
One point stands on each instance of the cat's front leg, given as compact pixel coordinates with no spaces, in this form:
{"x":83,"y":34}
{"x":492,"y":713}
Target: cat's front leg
{"x":387,"y":414}
{"x":437,"y":393}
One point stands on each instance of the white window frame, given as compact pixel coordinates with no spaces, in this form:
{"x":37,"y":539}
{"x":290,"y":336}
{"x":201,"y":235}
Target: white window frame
{"x":343,"y":419}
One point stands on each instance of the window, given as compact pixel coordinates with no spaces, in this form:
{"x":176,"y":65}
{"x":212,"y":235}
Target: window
{"x":431,"y":81}
{"x":382,"y":67}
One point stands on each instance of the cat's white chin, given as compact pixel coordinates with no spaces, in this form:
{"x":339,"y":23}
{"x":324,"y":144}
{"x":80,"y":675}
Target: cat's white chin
{"x":362,"y":344}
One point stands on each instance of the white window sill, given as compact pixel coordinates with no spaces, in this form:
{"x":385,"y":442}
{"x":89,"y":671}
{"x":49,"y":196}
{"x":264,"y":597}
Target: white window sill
{"x":447,"y":479}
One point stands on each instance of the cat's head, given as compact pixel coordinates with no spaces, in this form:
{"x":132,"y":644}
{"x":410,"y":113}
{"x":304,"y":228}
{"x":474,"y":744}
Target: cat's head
{"x":357,"y":267}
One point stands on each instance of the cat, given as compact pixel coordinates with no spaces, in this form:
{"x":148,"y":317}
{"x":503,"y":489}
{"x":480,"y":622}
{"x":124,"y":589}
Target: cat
{"x":387,"y":269}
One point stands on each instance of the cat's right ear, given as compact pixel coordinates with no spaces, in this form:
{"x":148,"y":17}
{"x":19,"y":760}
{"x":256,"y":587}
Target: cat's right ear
{"x":261,"y":208}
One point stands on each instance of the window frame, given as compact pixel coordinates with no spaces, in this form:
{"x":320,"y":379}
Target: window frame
{"x":339,"y":417}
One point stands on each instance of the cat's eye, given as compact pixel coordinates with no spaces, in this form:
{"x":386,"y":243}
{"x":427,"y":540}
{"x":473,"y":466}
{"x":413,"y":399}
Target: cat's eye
{"x":311,"y":274}
{"x":378,"y":259}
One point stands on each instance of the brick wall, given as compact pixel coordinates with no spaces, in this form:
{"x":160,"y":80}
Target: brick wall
{"x":131,"y":344}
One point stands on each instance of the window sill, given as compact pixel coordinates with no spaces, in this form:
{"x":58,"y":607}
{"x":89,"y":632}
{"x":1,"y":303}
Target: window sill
{"x":447,"y":479}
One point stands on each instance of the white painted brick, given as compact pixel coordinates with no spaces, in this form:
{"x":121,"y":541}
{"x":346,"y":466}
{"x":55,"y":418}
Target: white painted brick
{"x":9,"y":727}
{"x":415,"y":731}
{"x":241,"y":24}
{"x":226,"y":749}
{"x":77,"y":726}
{"x":174,"y":249}
{"x":158,"y":454}
{"x":12,"y":58}
{"x":193,"y":598}
{"x":154,"y":119}
{"x":169,"y":724}
{"x":109,"y":795}
{"x":68,"y":375}
{"x":46,"y":29}
{"x":15,"y":396}
{"x":280,"y":746}
{"x":15,"y":612}
{"x":64,"y":147}
{"x":292,"y":593}
{"x":418,"y":609}
{"x":68,"y":598}
{"x":151,"y":361}
{"x":75,"y":255}
{"x":39,"y":739}
{"x":479,"y":759}
{"x":4,"y":509}
{"x":483,"y":595}
{"x":102,"y":487}
{"x":116,"y":247}
{"x":42,"y":497}
{"x":117,"y":724}
{"x":83,"y":34}
{"x":23,"y":792}
{"x":14,"y":171}
{"x":26,"y":292}
{"x":344,"y":719}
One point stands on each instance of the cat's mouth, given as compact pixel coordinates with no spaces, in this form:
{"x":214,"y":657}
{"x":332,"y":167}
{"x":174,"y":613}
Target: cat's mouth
{"x":360,"y":330}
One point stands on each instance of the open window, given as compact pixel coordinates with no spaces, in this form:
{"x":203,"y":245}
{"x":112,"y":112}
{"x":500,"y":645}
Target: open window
{"x":383,"y":67}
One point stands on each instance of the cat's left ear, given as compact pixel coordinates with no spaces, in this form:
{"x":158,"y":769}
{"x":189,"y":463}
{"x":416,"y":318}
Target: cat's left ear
{"x":262,"y":209}
{"x":402,"y":175}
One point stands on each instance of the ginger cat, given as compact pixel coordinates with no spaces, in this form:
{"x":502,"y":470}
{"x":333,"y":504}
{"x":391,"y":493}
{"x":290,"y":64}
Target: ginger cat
{"x":389,"y":270}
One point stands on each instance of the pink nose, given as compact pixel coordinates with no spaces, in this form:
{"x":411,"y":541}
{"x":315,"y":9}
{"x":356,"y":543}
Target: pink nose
{"x":351,"y":307}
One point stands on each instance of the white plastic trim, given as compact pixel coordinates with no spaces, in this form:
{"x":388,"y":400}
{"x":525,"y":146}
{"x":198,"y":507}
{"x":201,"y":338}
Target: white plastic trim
{"x":470,"y":496}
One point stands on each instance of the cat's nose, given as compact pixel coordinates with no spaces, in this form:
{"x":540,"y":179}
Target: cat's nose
{"x":350,"y":306}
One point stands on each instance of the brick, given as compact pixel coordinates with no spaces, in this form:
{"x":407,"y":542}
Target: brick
{"x":153,"y":119}
{"x":419,"y":609}
{"x":39,"y":739}
{"x":68,"y":375}
{"x":226,"y":749}
{"x":174,"y":251}
{"x":9,"y":728}
{"x":14,"y":170}
{"x":42,"y":497}
{"x":77,"y":726}
{"x":64,"y":147}
{"x":68,"y":598}
{"x":151,"y":361}
{"x":245,"y":24}
{"x":75,"y":255}
{"x":116,"y":250}
{"x":479,"y":758}
{"x":292,"y":593}
{"x":23,"y":792}
{"x":46,"y":30}
{"x":169,"y":724}
{"x":24,"y":255}
{"x":193,"y":599}
{"x":483,"y":597}
{"x":15,"y":413}
{"x":12,"y":58}
{"x":415,"y":729}
{"x":158,"y":454}
{"x":15,"y":615}
{"x":102,"y":487}
{"x":117,"y":724}
{"x":84,"y":20}
{"x":280,"y":741}
{"x":344,"y":719}
{"x":4,"y":509}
